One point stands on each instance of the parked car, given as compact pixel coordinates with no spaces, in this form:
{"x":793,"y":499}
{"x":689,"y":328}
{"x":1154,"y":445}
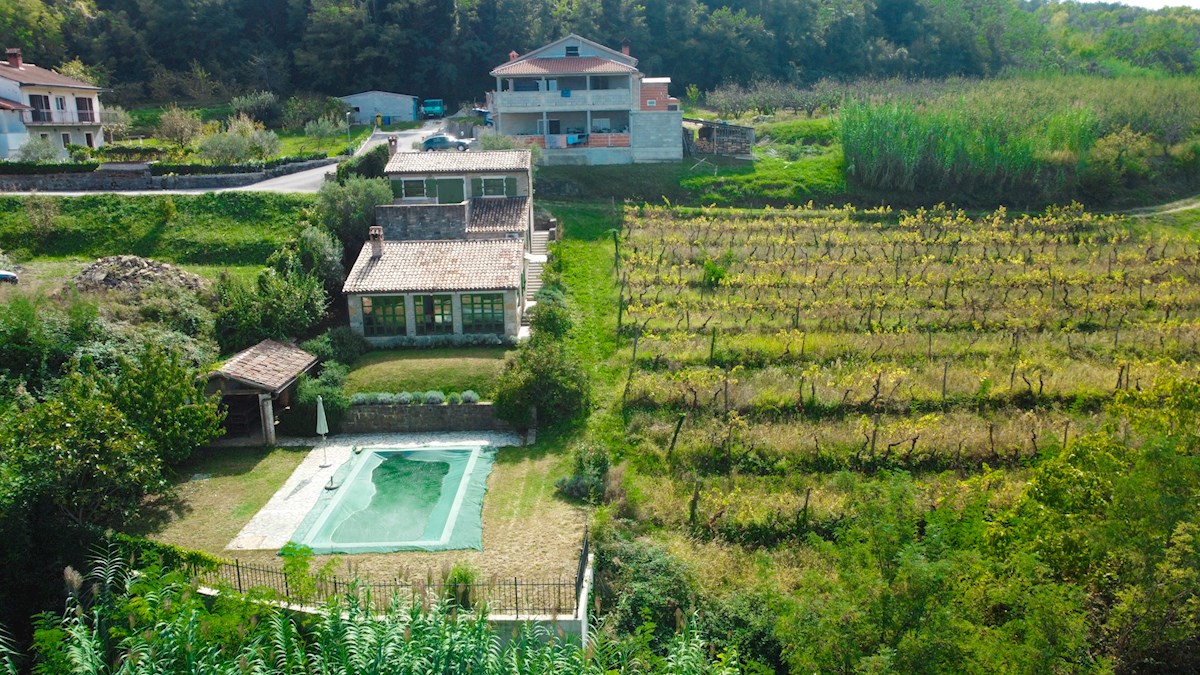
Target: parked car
{"x":7,"y":277}
{"x":444,"y":142}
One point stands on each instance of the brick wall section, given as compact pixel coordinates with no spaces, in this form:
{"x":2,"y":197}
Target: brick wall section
{"x":369,"y":419}
{"x":422,"y":221}
{"x":656,"y":92}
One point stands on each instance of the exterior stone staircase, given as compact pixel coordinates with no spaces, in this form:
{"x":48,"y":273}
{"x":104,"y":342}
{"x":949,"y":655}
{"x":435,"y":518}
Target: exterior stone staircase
{"x":539,"y":249}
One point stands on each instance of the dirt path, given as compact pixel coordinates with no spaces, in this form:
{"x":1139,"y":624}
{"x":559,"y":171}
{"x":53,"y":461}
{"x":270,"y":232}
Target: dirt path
{"x":1162,"y":209}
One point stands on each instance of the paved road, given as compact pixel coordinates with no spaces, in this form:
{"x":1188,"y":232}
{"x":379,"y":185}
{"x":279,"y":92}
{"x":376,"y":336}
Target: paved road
{"x":303,"y":181}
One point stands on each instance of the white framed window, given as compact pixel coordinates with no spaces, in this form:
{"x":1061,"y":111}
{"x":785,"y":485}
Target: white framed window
{"x":413,"y":189}
{"x":60,"y":103}
{"x":494,"y":186}
{"x":651,"y":103}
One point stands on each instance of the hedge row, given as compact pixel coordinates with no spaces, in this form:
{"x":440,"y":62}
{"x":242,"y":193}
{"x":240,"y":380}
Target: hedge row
{"x":39,"y":168}
{"x":161,"y":169}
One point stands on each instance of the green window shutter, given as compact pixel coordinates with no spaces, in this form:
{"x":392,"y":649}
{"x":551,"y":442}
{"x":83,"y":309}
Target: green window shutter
{"x":510,"y":186}
{"x":476,"y":187}
{"x":431,"y":187}
{"x":398,"y":189}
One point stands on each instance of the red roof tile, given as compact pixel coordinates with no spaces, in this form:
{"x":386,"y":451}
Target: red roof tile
{"x":493,"y":214}
{"x":31,"y":74}
{"x":269,"y":365}
{"x":563,"y":65}
{"x":443,"y":265}
{"x":6,"y":104}
{"x":459,"y":162}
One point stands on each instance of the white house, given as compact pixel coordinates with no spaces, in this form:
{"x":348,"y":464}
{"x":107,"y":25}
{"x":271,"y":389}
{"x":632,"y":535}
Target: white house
{"x":586,"y":104}
{"x":385,"y":107}
{"x":36,"y":101}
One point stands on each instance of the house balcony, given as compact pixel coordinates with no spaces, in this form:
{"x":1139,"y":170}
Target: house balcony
{"x":36,"y":117}
{"x":571,"y":141}
{"x":566,"y":99}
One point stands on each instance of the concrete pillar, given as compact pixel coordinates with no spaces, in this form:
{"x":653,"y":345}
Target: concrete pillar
{"x":267,"y":411}
{"x":456,"y":312}
{"x":410,"y":317}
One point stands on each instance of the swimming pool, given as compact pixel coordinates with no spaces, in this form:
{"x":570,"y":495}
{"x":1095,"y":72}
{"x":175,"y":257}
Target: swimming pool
{"x":402,"y":499}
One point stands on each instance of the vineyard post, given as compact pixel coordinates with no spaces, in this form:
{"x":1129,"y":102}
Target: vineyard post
{"x":632,"y":366}
{"x":675,"y":436}
{"x":616,"y":248}
{"x":1066,"y":431}
{"x":712,"y":346}
{"x":945,"y":372}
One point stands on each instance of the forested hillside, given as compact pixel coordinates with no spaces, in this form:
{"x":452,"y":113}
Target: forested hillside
{"x":198,"y":49}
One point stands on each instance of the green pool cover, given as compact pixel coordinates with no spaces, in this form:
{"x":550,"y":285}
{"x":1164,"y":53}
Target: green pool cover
{"x":392,"y":499}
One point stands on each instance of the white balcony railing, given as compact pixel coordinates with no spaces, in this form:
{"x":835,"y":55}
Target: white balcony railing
{"x":606,"y":99}
{"x":37,"y":117}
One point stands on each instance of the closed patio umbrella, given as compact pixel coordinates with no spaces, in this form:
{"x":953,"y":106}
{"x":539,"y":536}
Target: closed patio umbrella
{"x":322,"y":429}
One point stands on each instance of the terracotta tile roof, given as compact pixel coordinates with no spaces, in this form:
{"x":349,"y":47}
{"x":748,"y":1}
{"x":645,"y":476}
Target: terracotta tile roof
{"x":510,"y":214}
{"x":563,"y":65}
{"x":31,"y":74}
{"x":408,"y":266}
{"x":269,"y":365}
{"x":459,"y":162}
{"x":6,"y":104}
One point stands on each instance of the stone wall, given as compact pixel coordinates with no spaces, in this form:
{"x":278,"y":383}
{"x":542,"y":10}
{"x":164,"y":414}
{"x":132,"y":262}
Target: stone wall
{"x":369,"y":419}
{"x":109,"y":181}
{"x":405,"y":222}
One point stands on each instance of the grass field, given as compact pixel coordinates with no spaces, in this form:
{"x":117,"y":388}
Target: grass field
{"x":444,"y":369}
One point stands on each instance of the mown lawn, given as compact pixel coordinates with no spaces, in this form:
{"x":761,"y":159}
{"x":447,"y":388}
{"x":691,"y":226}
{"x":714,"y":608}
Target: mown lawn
{"x":446,"y":369}
{"x":295,"y":142}
{"x":219,"y":490}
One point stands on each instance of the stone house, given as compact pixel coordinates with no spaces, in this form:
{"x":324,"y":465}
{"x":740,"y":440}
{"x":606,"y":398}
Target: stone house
{"x":447,"y":260}
{"x":586,"y":104}
{"x":36,"y":101}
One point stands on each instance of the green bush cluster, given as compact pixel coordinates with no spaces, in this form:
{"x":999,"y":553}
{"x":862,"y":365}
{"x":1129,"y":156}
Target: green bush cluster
{"x":588,"y":474}
{"x":370,"y":164}
{"x":40,"y":168}
{"x":432,"y":397}
{"x":301,"y":418}
{"x":339,"y":343}
{"x":191,"y":169}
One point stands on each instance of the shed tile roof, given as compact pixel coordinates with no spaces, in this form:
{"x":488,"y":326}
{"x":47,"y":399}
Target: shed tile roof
{"x":459,"y":162}
{"x":490,"y":214}
{"x":563,"y":65}
{"x":31,"y":74}
{"x":6,"y":104}
{"x":269,"y":365}
{"x":443,"y":265}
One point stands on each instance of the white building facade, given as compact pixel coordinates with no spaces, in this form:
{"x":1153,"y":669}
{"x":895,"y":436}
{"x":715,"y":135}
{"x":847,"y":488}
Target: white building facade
{"x":382,"y":107}
{"x":37,"y":102}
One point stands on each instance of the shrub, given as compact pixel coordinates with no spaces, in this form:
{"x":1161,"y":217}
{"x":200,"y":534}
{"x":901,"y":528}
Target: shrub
{"x":404,"y":398}
{"x":39,"y":168}
{"x":432,"y":397}
{"x":347,"y":345}
{"x":470,"y":396}
{"x":542,"y":376}
{"x":348,"y":209}
{"x":459,"y":585}
{"x":370,"y":164}
{"x":586,"y":482}
{"x":38,"y":150}
{"x":301,"y":418}
{"x":550,"y":319}
{"x":454,"y":398}
{"x":259,"y":105}
{"x":276,"y":306}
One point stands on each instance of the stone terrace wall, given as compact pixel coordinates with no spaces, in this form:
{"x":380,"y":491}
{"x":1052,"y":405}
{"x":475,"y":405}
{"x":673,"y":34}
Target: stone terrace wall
{"x":368,"y":419}
{"x":107,"y":181}
{"x":405,"y":222}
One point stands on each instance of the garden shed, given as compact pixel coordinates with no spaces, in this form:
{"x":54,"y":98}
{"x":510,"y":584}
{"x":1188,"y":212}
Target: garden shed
{"x":717,"y":138}
{"x":256,"y":382}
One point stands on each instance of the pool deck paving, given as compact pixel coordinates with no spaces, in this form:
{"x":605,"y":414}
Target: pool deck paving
{"x":272,"y":527}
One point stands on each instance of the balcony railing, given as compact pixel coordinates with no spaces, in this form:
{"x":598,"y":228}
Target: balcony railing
{"x":36,"y":117}
{"x":515,"y":101}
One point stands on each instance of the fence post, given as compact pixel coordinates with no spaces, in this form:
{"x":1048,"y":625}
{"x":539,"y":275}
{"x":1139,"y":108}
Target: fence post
{"x":238,"y":567}
{"x":516,"y":599}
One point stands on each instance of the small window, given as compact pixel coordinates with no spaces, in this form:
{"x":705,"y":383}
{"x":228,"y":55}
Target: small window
{"x":60,"y":103}
{"x":494,"y":187}
{"x":413,"y":189}
{"x":483,"y":313}
{"x":651,"y":103}
{"x":66,"y":139}
{"x":91,"y":142}
{"x":435,"y":314}
{"x":45,"y":137}
{"x":572,"y":50}
{"x":383,"y":316}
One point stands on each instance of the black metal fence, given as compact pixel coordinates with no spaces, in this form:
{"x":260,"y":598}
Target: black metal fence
{"x":501,"y":596}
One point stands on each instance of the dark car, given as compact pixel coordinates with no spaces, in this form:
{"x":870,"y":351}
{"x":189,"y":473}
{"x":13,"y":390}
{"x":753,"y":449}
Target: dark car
{"x":7,"y":277}
{"x":444,"y":142}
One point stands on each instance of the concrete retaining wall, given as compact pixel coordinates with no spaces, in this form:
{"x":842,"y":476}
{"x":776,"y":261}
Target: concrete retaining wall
{"x":368,"y":419}
{"x":109,"y":181}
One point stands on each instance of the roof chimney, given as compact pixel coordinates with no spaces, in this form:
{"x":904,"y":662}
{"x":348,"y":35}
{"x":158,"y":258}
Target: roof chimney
{"x":625,"y":46}
{"x":393,"y":145}
{"x":14,"y":57}
{"x":375,"y":234}
{"x":512,"y":56}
